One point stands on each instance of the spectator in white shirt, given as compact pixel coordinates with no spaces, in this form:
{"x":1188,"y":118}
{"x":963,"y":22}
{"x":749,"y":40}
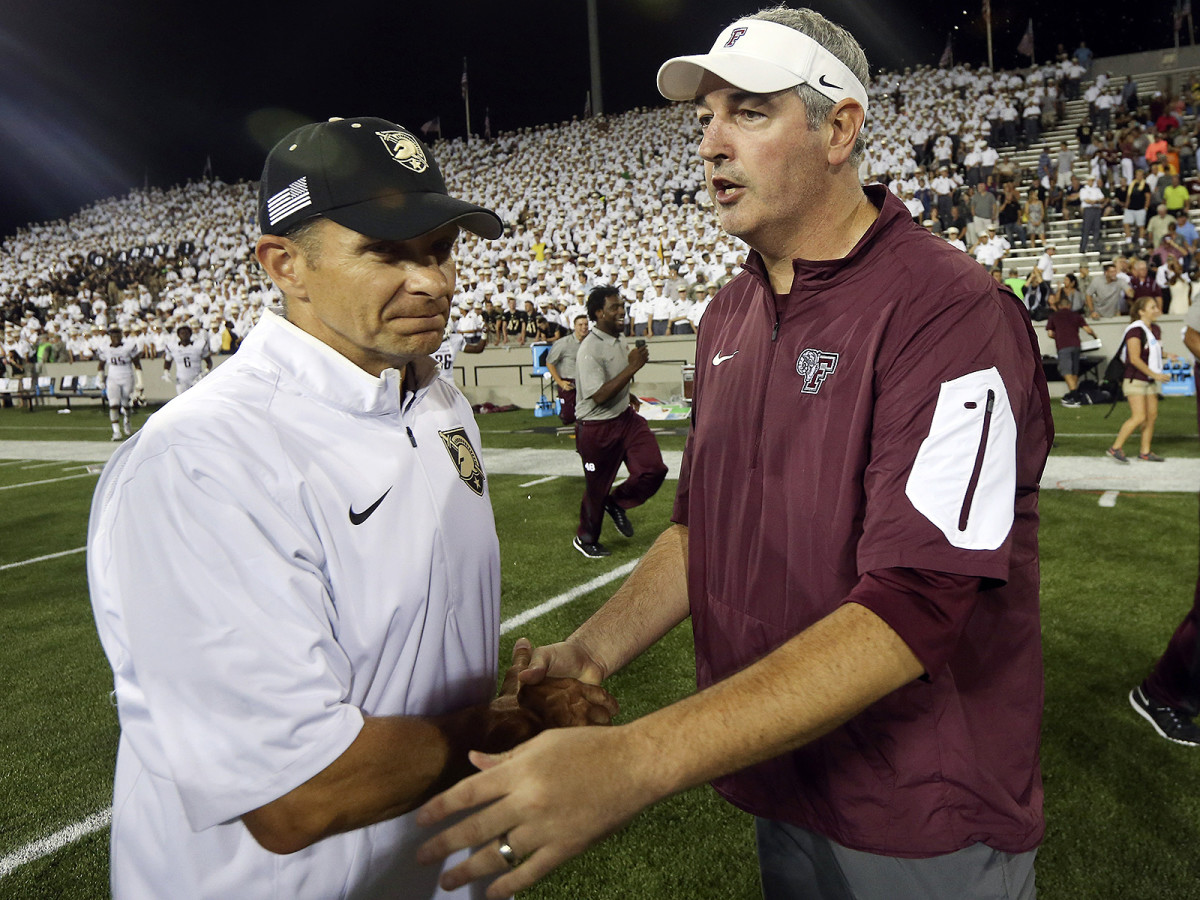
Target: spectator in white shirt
{"x":1046,"y":264}
{"x":1091,"y":202}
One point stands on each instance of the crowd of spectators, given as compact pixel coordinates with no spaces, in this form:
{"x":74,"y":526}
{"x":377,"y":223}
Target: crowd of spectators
{"x":619,"y":200}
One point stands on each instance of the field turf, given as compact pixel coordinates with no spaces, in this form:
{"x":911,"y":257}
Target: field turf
{"x":1123,"y":806}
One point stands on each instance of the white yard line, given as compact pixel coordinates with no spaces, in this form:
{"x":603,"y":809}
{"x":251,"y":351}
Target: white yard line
{"x":55,"y":842}
{"x":38,"y":849}
{"x":1109,"y":498}
{"x":562,"y":599}
{"x":540,"y":481}
{"x":9,"y":487}
{"x":38,"y":559}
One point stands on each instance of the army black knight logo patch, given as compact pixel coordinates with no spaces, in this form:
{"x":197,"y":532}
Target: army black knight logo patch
{"x":458,"y":445}
{"x":404,"y":149}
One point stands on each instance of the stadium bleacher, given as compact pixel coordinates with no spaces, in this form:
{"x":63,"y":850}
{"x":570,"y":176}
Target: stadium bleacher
{"x":610,"y":199}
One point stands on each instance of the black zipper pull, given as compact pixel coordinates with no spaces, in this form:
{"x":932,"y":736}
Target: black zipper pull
{"x":775,"y":330}
{"x":411,"y":439}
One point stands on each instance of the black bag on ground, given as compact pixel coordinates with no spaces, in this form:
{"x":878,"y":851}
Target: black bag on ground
{"x":1088,"y":393}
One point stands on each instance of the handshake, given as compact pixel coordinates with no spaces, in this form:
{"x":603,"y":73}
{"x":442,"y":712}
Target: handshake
{"x":531,"y":700}
{"x":552,"y":794}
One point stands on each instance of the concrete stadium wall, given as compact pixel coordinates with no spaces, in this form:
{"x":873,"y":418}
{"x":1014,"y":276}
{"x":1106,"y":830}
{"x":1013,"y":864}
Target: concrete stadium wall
{"x":1171,"y":64}
{"x":1110,"y":330}
{"x":499,"y":375}
{"x":504,"y":375}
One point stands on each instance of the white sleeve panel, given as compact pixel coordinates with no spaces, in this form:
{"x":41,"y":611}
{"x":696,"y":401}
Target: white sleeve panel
{"x":965,"y":474}
{"x":208,"y":579}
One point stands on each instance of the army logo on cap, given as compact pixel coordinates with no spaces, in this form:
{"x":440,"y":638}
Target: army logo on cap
{"x":458,"y":445}
{"x":404,"y":149}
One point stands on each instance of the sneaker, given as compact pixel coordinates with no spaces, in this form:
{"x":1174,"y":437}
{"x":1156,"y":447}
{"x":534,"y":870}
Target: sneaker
{"x":117,"y":437}
{"x":1168,"y":721}
{"x":617,"y":514}
{"x":1118,"y":455}
{"x":1150,"y":457}
{"x":125,"y":428}
{"x":1070,"y":402}
{"x":593,"y":550}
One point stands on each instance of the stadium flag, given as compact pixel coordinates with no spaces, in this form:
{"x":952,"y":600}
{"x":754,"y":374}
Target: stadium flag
{"x":947,"y":54}
{"x":587,"y":106}
{"x":1025,"y":48}
{"x":434,"y":124}
{"x":987,"y":21}
{"x":487,"y":123}
{"x":466,"y":99}
{"x":208,"y":172}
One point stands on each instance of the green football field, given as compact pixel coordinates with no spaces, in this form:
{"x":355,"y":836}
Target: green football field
{"x":1123,"y":806}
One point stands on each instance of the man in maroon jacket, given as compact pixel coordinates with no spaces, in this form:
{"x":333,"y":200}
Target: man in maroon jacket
{"x":854,"y":537}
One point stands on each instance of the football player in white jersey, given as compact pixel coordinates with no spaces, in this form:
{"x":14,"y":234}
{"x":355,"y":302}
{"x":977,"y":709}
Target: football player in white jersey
{"x":453,"y":344}
{"x":190,"y":355}
{"x":120,"y":363}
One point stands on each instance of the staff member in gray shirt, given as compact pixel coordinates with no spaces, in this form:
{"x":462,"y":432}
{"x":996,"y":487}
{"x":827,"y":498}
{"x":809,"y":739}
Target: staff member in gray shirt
{"x":608,"y":430}
{"x":561,"y":363}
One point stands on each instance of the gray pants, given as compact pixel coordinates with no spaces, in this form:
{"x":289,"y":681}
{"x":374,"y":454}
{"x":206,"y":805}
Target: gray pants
{"x":796,"y":864}
{"x":1090,"y":236}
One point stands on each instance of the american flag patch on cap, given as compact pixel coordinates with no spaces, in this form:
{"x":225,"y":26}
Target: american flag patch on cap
{"x":292,"y":198}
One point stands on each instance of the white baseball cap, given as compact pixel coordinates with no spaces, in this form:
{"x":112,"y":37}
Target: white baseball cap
{"x":763,"y":57}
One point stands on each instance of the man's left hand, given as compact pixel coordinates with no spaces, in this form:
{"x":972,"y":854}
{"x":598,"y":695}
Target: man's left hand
{"x":548,"y":799}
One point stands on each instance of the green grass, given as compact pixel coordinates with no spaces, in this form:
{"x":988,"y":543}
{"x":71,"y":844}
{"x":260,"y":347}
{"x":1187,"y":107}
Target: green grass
{"x":1085,"y":430}
{"x":87,"y":421}
{"x":1123,"y":806}
{"x":521,"y":428}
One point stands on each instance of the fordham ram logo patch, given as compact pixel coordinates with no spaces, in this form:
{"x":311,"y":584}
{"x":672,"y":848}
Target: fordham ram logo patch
{"x":458,"y":445}
{"x":814,"y":366}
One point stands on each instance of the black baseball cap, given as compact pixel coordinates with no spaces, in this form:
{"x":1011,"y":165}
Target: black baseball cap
{"x":368,"y":174}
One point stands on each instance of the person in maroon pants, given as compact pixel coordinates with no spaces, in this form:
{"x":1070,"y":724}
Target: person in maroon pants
{"x":1169,"y":698}
{"x":608,"y":429}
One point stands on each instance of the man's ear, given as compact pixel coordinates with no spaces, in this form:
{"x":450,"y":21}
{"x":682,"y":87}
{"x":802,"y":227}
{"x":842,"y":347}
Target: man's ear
{"x":283,"y":261}
{"x":847,"y":120}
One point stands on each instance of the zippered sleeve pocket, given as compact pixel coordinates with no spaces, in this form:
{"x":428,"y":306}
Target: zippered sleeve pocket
{"x":964,"y":478}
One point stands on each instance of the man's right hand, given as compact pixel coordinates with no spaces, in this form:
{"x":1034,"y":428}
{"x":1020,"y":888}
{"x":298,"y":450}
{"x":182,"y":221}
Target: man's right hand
{"x":565,"y":659}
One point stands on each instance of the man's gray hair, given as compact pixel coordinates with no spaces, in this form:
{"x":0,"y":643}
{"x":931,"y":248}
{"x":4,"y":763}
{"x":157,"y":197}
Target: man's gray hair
{"x":838,"y":41}
{"x":305,"y":235}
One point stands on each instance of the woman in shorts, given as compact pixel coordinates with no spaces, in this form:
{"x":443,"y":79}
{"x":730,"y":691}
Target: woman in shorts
{"x":1142,"y":349}
{"x":1035,"y":218}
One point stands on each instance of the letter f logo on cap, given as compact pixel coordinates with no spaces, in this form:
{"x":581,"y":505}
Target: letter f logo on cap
{"x":734,"y":35}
